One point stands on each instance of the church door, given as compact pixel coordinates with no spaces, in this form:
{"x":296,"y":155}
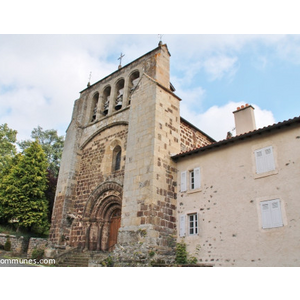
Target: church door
{"x":115,"y":223}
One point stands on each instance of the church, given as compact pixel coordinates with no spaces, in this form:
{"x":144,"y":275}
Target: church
{"x":136,"y":178}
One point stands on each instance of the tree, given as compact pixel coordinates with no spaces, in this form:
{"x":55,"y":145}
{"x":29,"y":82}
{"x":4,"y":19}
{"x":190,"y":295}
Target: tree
{"x":52,"y":145}
{"x":22,"y":190}
{"x":7,"y":147}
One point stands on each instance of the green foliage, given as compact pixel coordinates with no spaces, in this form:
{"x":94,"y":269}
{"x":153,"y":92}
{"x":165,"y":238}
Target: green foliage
{"x":181,"y":253}
{"x":7,"y":245}
{"x":52,"y":145}
{"x":7,"y":147}
{"x":108,"y":262}
{"x":192,"y":260}
{"x":22,"y":190}
{"x":182,"y":256}
{"x":37,"y":254}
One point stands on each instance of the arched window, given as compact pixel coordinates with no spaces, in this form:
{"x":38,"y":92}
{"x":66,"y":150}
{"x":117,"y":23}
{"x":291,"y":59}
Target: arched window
{"x":119,"y":96}
{"x":94,"y":107}
{"x":116,"y":163}
{"x":106,"y":96}
{"x":133,"y":81}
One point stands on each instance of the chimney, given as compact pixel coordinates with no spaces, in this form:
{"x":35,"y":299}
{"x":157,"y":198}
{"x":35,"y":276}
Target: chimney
{"x":244,"y":119}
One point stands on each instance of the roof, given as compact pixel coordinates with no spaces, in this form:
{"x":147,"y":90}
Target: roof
{"x":240,"y":137}
{"x":155,"y":49}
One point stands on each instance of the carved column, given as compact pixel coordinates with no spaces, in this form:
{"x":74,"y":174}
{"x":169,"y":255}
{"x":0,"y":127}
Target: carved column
{"x":99,"y":238}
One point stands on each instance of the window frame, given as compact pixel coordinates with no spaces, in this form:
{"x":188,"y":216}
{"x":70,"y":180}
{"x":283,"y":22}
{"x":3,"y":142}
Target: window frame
{"x":193,"y":182}
{"x":117,"y":159}
{"x":264,"y":162}
{"x":193,"y":227}
{"x":192,"y":179}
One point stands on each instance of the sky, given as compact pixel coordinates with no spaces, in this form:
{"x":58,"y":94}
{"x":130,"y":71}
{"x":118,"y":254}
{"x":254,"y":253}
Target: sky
{"x":42,"y":74}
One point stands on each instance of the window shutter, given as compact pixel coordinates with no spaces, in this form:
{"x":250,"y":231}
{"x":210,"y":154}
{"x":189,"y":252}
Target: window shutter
{"x":269,"y":159}
{"x":197,"y":182}
{"x":264,"y":160}
{"x":182,"y":225}
{"x":197,"y":223}
{"x":259,"y":161}
{"x":183,"y":181}
{"x":276,"y":213}
{"x":271,"y":214}
{"x":265,"y":215}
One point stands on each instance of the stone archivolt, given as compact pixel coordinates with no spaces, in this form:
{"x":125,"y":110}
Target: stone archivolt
{"x":101,"y":217}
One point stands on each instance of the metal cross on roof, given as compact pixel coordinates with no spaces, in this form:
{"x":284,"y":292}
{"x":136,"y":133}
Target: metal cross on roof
{"x":120,"y":58}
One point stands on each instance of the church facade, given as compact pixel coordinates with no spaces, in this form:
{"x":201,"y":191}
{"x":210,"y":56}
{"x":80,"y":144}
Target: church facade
{"x":136,"y":177}
{"x":117,"y":182}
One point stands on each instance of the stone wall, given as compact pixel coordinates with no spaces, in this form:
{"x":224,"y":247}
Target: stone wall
{"x":36,"y":243}
{"x":18,"y":244}
{"x":191,"y":137}
{"x":96,"y":170}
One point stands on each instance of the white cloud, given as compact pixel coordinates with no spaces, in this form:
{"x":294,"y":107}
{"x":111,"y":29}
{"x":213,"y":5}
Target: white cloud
{"x":42,"y":75}
{"x":218,"y":120}
{"x":219,"y":66}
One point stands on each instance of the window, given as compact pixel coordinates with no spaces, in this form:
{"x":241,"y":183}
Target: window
{"x":106,"y":97}
{"x":94,"y":107}
{"x":116,"y":163}
{"x":119,"y":97}
{"x":193,"y":224}
{"x":271,"y":214}
{"x":194,"y":180}
{"x":264,"y":160}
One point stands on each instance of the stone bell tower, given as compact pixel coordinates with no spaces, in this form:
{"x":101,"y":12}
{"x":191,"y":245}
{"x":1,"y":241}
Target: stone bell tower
{"x":117,"y":183}
{"x":149,"y":198}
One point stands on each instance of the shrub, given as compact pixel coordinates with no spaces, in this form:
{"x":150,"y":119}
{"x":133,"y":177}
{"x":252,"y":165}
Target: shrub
{"x":37,"y":254}
{"x":182,"y":256}
{"x":7,"y":245}
{"x":181,"y":253}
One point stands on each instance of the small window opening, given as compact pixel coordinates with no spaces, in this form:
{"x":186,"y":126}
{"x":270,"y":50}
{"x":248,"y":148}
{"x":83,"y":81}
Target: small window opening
{"x":117,"y":154}
{"x":119,"y":99}
{"x":94,"y":107}
{"x":106,"y":97}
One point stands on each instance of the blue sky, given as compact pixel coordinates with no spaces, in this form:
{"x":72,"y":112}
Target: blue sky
{"x":42,"y":75}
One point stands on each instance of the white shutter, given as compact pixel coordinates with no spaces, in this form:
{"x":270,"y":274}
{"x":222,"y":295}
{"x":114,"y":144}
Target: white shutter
{"x":183,"y":182}
{"x":264,"y":160}
{"x":271,"y":214}
{"x":269,"y":159}
{"x":197,"y":224}
{"x":197,"y":182}
{"x":276,"y":213}
{"x":266,"y":214}
{"x":259,"y":161}
{"x":182,"y":225}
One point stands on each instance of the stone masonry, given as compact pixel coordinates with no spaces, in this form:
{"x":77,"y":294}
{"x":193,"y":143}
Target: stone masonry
{"x":117,"y":186}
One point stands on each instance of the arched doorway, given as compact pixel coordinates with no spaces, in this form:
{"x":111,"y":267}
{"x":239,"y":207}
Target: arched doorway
{"x":115,"y":223}
{"x":102,"y":218}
